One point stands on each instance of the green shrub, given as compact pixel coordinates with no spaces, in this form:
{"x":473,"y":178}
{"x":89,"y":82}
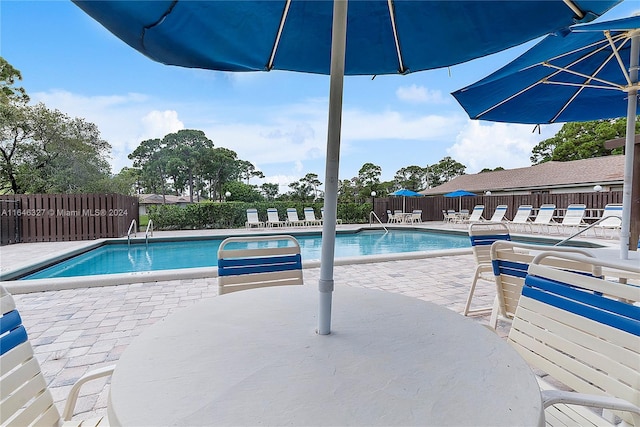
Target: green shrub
{"x":210,"y":215}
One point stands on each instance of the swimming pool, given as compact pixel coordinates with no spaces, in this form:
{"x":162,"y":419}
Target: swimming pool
{"x":114,"y":258}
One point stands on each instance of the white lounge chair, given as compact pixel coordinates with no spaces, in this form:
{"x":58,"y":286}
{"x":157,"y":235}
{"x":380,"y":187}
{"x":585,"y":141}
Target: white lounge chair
{"x":522,"y":218}
{"x":252,"y":219}
{"x":573,"y":217}
{"x":258,"y":266}
{"x":482,"y":235}
{"x":584,"y":332}
{"x":310,"y":217}
{"x":24,"y":395}
{"x":611,"y":219}
{"x":544,"y":218}
{"x":273,"y":219}
{"x":499,"y":213}
{"x":391,"y":218}
{"x":476,"y":215}
{"x":292,"y":218}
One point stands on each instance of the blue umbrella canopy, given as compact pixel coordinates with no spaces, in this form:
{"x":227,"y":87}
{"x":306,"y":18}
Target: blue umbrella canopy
{"x":459,"y":193}
{"x":383,"y":37}
{"x":405,"y":192}
{"x":587,"y":73}
{"x":364,"y":37}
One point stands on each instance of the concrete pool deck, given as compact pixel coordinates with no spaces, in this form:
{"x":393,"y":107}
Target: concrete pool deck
{"x":75,"y":330}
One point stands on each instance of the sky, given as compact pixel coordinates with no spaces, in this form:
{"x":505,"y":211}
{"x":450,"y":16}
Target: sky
{"x":275,"y":120}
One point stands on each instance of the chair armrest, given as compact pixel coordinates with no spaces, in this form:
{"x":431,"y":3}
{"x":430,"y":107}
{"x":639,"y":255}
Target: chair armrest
{"x":553,"y":397}
{"x":75,"y":390}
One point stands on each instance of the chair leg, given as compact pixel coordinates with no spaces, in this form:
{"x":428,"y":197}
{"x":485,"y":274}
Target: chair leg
{"x":467,"y":307}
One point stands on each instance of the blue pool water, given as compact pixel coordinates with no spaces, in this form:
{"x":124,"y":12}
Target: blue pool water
{"x":167,"y":255}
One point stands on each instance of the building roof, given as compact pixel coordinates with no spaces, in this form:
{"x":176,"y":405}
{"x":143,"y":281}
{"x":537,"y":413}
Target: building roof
{"x":606,"y":170}
{"x":156,"y":199}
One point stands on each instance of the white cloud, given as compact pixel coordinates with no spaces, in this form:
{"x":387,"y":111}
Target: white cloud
{"x":482,"y":145}
{"x":156,"y":124}
{"x":421,"y":95}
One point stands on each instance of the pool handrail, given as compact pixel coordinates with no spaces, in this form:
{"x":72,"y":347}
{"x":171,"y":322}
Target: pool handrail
{"x":134,"y":226}
{"x":149,"y":228}
{"x":372,"y":213}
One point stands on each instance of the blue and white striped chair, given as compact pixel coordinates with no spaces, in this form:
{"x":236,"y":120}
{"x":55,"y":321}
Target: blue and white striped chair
{"x":258,"y":262}
{"x":25,"y":398}
{"x":510,"y":261}
{"x":482,"y":235}
{"x":584,"y":332}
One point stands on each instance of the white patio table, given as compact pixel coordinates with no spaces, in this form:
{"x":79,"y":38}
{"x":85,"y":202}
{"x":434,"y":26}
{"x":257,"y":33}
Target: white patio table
{"x":253,"y":357}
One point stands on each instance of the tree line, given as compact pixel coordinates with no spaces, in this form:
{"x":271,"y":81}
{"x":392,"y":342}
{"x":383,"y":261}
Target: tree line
{"x":46,"y":151}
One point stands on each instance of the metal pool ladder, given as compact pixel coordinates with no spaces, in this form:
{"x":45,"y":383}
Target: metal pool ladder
{"x":372,"y":215}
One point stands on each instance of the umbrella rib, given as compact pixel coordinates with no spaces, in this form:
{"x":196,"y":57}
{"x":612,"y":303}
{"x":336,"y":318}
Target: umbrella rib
{"x":504,"y":101}
{"x":392,"y":16}
{"x":574,"y":8}
{"x":616,"y":52}
{"x":283,"y":19}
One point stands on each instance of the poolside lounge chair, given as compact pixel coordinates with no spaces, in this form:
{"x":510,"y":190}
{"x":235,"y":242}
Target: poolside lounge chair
{"x":391,"y":218}
{"x":482,"y":235}
{"x":521,"y":218}
{"x":611,"y":219}
{"x":499,"y":213}
{"x":510,"y":261}
{"x":476,"y":215}
{"x":338,"y":220}
{"x":24,"y":395}
{"x":292,"y":218}
{"x":273,"y":219}
{"x":267,"y":264}
{"x":252,"y":219}
{"x":584,"y":332}
{"x":573,"y":217}
{"x":310,"y":217}
{"x":544,"y":218}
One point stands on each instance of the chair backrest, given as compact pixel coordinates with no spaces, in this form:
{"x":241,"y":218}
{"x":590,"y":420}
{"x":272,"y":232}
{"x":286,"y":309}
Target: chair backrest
{"x":24,"y":395}
{"x":612,"y":216}
{"x":499,"y":213}
{"x":522,"y":214}
{"x":252,"y":215}
{"x":272,"y":215}
{"x":511,"y":260}
{"x":476,"y":214}
{"x":258,"y":262}
{"x":574,"y":214}
{"x":309,"y":214}
{"x":482,"y":235}
{"x":292,"y":214}
{"x":545,"y":214}
{"x":583,"y":331}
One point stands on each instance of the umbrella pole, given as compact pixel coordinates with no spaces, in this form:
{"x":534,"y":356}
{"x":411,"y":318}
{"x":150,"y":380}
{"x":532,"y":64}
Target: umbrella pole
{"x":338,"y":47}
{"x":625,"y":231}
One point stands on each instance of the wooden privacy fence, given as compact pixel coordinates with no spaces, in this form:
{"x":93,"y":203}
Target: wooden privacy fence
{"x":65,"y":217}
{"x":432,"y":206}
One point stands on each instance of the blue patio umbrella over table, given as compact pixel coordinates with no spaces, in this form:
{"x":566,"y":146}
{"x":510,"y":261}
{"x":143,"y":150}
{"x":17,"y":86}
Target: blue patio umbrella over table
{"x":365,"y":37}
{"x":404,"y":193}
{"x":459,"y":194}
{"x":587,"y":73}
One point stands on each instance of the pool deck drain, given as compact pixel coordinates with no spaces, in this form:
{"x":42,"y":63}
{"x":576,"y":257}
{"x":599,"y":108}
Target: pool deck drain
{"x":75,"y":330}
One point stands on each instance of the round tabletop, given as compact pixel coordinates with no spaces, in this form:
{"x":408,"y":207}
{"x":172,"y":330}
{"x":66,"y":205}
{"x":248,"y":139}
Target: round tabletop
{"x":253,"y":357}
